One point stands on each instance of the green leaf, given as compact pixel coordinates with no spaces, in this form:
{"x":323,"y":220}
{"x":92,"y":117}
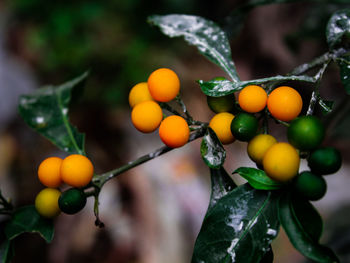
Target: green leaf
{"x":207,"y":36}
{"x":344,"y":65}
{"x":292,"y":221}
{"x":338,"y":28}
{"x":221,"y":185}
{"x":6,"y":251}
{"x":218,"y":88}
{"x":212,"y":151}
{"x":27,"y":219}
{"x":326,"y":106}
{"x":238,"y":228}
{"x":46,"y":111}
{"x":308,"y":216}
{"x":258,"y":178}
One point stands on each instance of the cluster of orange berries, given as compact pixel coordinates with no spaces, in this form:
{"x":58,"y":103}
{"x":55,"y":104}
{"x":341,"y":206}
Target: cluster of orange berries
{"x":279,"y":160}
{"x":76,"y":171}
{"x":163,"y":85}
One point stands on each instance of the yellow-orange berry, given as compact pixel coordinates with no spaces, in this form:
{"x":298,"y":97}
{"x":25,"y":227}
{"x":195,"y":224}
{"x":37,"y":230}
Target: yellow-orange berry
{"x":46,"y":202}
{"x":146,"y":116}
{"x":163,"y":84}
{"x":252,"y":98}
{"x":281,"y":162}
{"x":49,"y":172}
{"x":221,"y":125}
{"x":174,"y":131}
{"x":139,"y":93}
{"x":284,"y":103}
{"x":77,"y":170}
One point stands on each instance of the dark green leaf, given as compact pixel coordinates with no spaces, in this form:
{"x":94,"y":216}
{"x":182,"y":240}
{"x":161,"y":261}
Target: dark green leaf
{"x":308,"y":217}
{"x":207,"y":36}
{"x":27,"y":219}
{"x":46,"y":111}
{"x":218,"y":88}
{"x":212,"y":151}
{"x":338,"y":28}
{"x":238,"y":228}
{"x":344,"y":65}
{"x":221,"y":185}
{"x":258,"y":179}
{"x":326,"y":106}
{"x":6,"y":251}
{"x":301,"y":239}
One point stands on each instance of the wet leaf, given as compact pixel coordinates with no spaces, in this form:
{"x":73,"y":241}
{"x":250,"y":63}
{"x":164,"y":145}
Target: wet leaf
{"x":207,"y":36}
{"x":344,"y":65}
{"x":218,"y":88}
{"x":221,"y":185}
{"x":306,"y":242}
{"x":238,"y":228}
{"x":212,"y":151}
{"x":27,"y":219}
{"x":258,"y":179}
{"x":338,"y":28}
{"x":46,"y":111}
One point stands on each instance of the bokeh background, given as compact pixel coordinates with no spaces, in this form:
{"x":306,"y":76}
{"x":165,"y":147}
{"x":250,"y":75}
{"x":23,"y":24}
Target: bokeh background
{"x":152,"y":213}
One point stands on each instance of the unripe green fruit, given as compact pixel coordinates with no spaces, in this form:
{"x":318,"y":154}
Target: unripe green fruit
{"x":306,"y":133}
{"x":72,"y":201}
{"x":312,"y":187}
{"x":325,"y":160}
{"x":244,"y":126}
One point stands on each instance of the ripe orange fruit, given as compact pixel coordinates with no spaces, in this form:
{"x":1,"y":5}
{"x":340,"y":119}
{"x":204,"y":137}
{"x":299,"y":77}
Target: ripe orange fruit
{"x":163,"y":84}
{"x":281,"y":162}
{"x":174,"y":131}
{"x":139,"y":93}
{"x":221,"y":125}
{"x":252,"y":98}
{"x":146,"y":116}
{"x":284,"y":103}
{"x":77,"y":170}
{"x":49,"y":172}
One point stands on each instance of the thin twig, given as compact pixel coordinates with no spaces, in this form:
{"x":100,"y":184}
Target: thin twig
{"x":100,"y":180}
{"x":184,"y":109}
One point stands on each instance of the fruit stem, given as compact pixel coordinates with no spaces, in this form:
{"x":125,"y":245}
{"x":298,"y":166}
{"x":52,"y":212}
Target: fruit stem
{"x":315,"y":93}
{"x":99,"y":180}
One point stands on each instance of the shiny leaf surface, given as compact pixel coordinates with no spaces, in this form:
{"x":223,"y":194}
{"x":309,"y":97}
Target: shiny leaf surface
{"x":207,"y":36}
{"x":46,"y":111}
{"x":212,"y":151}
{"x":238,"y":228}
{"x":258,"y":179}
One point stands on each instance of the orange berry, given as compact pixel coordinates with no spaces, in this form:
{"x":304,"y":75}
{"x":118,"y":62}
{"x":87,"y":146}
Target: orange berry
{"x":139,"y":93}
{"x":281,"y":162}
{"x":146,"y":116}
{"x":252,"y":98}
{"x":49,"y":172}
{"x":163,"y":84}
{"x":221,"y":125}
{"x":77,"y":170}
{"x":174,"y":131}
{"x":284,"y":103}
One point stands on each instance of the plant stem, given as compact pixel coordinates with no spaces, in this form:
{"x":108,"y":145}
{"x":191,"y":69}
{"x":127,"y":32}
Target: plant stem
{"x":184,"y":109}
{"x":169,"y":108}
{"x":316,"y":93}
{"x":100,"y":180}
